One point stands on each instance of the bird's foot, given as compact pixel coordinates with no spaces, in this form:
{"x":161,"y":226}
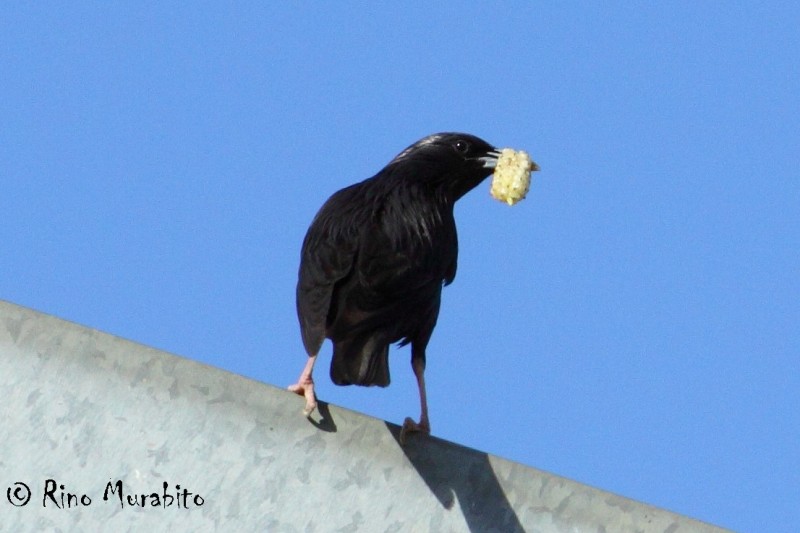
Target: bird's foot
{"x":409,"y":426}
{"x":305,"y":387}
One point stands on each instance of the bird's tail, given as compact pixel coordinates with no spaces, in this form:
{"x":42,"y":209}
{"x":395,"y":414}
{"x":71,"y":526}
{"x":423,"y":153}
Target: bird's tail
{"x":360,"y":361}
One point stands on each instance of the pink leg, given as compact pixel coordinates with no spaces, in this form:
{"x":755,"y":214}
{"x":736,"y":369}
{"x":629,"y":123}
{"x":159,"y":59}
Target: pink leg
{"x":305,"y":386}
{"x":423,"y":426}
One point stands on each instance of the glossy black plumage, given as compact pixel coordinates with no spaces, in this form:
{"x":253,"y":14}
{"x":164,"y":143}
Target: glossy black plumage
{"x":377,"y":254}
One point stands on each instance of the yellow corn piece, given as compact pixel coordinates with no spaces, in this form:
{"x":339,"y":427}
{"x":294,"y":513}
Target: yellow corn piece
{"x":512,"y":176}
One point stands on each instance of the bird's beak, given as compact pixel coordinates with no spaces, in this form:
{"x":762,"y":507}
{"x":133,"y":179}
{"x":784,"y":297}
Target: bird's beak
{"x":490,"y":159}
{"x":535,"y":167}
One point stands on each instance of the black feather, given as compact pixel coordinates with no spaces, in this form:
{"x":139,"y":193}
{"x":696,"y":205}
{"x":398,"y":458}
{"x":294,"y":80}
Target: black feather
{"x":377,"y":254}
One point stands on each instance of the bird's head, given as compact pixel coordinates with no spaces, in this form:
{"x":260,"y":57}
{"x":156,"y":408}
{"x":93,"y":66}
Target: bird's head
{"x":455,"y":163}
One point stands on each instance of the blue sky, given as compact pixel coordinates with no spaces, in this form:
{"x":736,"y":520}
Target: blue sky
{"x":632,"y":325}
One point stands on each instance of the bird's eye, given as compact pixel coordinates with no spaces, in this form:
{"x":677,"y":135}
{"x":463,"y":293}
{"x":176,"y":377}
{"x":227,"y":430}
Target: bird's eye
{"x":462,"y":146}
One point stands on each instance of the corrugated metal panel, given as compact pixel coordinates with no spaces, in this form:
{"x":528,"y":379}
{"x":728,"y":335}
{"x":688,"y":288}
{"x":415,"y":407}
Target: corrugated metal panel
{"x":99,"y":433}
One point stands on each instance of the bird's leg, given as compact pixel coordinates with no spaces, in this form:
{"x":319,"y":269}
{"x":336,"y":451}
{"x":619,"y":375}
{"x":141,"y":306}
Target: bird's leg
{"x":423,"y":426}
{"x":305,"y":386}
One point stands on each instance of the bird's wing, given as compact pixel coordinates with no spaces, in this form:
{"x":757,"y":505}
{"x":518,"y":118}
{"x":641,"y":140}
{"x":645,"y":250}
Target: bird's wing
{"x":328,"y":255}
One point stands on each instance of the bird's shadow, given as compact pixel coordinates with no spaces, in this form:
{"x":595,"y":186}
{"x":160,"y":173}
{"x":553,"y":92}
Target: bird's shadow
{"x":325,"y":422}
{"x":456,"y":473}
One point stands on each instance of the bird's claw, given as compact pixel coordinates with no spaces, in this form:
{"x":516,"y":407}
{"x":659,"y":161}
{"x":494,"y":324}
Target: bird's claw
{"x":308,"y":409}
{"x":409,"y":426}
{"x":308,"y":392}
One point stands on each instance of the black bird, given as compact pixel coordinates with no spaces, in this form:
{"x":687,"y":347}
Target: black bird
{"x":375,"y":258}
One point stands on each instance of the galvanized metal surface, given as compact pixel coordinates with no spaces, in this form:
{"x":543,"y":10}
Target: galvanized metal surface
{"x":95,"y":427}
